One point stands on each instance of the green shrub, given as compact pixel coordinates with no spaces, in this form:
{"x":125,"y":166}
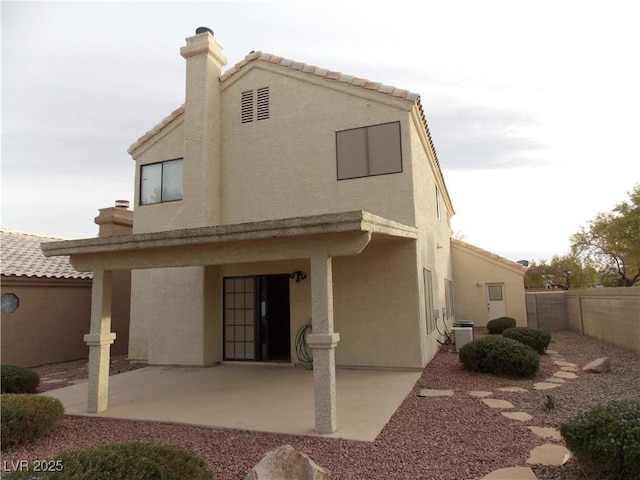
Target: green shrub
{"x":499,"y":325}
{"x":16,"y":379}
{"x":607,"y":439}
{"x":26,"y":417}
{"x":500,"y":356}
{"x":537,"y":339}
{"x":139,"y":461}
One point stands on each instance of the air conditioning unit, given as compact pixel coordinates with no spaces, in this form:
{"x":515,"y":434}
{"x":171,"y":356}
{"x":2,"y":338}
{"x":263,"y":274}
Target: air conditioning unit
{"x":462,"y":336}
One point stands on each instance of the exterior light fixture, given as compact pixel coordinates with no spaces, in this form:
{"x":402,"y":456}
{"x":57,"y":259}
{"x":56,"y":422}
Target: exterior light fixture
{"x":299,"y":275}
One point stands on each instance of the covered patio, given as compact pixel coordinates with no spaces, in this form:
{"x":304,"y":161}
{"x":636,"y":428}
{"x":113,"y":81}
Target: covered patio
{"x":265,"y":398}
{"x":317,"y":238}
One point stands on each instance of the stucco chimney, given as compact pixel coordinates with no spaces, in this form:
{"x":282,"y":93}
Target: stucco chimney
{"x":116,"y":220}
{"x":205,"y":59}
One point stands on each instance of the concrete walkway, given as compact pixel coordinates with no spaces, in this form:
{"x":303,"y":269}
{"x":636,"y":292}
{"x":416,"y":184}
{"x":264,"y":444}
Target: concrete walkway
{"x":249,"y":397}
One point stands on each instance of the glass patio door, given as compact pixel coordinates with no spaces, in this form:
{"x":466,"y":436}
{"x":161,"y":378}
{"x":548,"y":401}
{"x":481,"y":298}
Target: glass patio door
{"x":239,"y":318}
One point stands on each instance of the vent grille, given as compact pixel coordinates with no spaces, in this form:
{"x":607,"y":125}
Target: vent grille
{"x":263,"y":103}
{"x":247,"y":107}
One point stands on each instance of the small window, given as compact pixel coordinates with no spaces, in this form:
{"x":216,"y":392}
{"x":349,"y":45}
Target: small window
{"x":10,"y":303}
{"x":495,"y":292}
{"x":161,"y":182}
{"x":368,"y":151}
{"x":254,"y":105}
{"x":438,"y":213}
{"x":428,"y":299}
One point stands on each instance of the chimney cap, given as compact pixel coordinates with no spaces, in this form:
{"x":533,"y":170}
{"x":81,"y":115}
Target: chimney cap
{"x":200,"y":30}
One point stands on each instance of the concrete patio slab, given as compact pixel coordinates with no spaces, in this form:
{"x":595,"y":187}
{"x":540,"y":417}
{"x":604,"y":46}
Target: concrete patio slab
{"x":248,"y":397}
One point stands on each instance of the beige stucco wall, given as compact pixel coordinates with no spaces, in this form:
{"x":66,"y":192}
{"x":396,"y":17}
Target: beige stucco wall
{"x":472,"y":270}
{"x":608,"y":314}
{"x":286,"y":167}
{"x":433,"y":249}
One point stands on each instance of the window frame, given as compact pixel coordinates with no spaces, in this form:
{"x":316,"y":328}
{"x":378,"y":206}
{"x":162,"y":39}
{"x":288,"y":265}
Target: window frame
{"x":367,"y":152}
{"x":162,"y":182}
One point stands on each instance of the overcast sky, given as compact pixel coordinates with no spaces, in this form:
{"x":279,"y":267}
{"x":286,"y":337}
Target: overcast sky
{"x":534,"y":106}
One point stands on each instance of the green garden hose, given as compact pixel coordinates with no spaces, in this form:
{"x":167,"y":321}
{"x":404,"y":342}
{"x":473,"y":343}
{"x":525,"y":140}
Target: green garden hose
{"x":303,"y":352}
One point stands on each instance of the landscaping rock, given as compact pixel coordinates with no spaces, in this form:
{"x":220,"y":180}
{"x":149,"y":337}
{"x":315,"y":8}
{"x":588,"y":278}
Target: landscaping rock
{"x":495,"y":403}
{"x":287,"y":462}
{"x":600,"y":365}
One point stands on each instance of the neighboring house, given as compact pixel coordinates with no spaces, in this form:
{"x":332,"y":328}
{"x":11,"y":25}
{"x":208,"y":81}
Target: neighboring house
{"x":280,"y":195}
{"x":46,"y":303}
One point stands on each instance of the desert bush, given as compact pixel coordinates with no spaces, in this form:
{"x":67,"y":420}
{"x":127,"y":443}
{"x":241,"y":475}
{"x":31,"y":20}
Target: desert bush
{"x":537,"y":339}
{"x":499,"y":325}
{"x":139,"y":461}
{"x":500,"y":356}
{"x":27,"y":417}
{"x":606,"y":439}
{"x":16,"y":379}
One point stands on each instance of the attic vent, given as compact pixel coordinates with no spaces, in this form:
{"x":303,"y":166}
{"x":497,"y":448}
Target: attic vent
{"x":247,"y":106}
{"x":254,"y":102}
{"x":263,"y":103}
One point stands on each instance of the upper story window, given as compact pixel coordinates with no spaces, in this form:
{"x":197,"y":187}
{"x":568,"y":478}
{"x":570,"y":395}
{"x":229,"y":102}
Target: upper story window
{"x":161,"y":182}
{"x":254,"y":105}
{"x":368,"y":151}
{"x":438,"y":211}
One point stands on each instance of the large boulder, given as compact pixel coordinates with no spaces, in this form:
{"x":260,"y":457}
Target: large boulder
{"x":287,"y":462}
{"x":600,"y":365}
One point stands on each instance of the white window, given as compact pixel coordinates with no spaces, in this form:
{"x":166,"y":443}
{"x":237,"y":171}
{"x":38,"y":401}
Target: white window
{"x":438,"y":202}
{"x":368,"y":151}
{"x":161,"y":182}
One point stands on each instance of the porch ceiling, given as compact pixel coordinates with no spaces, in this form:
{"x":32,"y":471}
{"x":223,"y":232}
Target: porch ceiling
{"x":346,"y":233}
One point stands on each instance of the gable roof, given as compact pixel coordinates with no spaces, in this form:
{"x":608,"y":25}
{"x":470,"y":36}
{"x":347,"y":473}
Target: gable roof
{"x":318,"y":72}
{"x":23,"y":257}
{"x":515,"y":266}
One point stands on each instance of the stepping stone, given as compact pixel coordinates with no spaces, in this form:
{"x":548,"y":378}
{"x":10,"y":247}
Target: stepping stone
{"x":549,"y":454}
{"x":552,"y":353}
{"x":511,"y":473}
{"x":562,"y":363}
{"x":554,"y":380}
{"x":495,"y":403}
{"x":547,"y":432}
{"x":480,"y":393}
{"x":520,"y":416}
{"x":431,"y":392}
{"x":569,"y":375}
{"x":513,"y":389}
{"x":545,"y":385}
{"x":569,"y":369}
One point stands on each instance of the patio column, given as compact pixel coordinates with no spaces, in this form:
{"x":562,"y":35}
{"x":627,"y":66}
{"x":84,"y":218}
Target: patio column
{"x":323,"y":341}
{"x":99,"y":340}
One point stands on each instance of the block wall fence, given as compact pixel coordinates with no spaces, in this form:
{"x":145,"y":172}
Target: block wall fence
{"x":608,"y":314}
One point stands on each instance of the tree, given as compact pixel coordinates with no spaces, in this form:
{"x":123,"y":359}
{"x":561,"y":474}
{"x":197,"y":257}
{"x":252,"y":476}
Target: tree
{"x":563,"y":272}
{"x":612,"y":241}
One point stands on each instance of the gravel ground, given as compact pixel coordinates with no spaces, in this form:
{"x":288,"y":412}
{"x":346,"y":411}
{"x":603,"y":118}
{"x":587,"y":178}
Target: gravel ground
{"x":449,"y":438}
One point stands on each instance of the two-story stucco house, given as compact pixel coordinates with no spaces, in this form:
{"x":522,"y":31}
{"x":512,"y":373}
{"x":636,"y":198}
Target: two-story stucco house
{"x":280,"y":195}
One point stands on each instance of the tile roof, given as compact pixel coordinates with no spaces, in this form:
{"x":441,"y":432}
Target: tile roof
{"x":22,"y":257}
{"x":311,"y":70}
